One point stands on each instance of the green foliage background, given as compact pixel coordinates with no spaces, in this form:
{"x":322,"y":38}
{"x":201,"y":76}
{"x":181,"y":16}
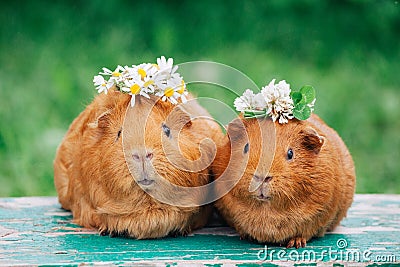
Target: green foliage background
{"x":349,"y":50}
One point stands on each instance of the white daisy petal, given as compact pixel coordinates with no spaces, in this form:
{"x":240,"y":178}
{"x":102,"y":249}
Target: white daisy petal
{"x":98,"y":80}
{"x":142,"y":93}
{"x":183,"y":98}
{"x":133,"y":100}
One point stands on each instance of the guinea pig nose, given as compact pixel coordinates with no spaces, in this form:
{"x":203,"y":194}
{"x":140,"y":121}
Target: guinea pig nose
{"x":261,"y":178}
{"x":267,"y":179}
{"x":136,"y":156}
{"x":142,"y":155}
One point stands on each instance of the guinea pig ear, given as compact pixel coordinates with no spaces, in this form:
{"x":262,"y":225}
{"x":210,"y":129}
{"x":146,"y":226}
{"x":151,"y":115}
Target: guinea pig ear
{"x":312,"y":140}
{"x":236,"y":129}
{"x":101,"y":120}
{"x":178,"y":118}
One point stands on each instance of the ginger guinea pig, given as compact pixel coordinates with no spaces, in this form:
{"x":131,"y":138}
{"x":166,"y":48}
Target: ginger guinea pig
{"x":115,"y":158}
{"x":296,"y":180}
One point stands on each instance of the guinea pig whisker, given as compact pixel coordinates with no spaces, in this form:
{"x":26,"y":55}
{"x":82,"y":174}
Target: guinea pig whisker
{"x":291,"y":198}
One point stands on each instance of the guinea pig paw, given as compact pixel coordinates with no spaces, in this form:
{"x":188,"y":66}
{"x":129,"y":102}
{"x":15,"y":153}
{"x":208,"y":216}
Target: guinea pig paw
{"x":104,"y":232}
{"x":178,"y":233}
{"x":186,"y":232}
{"x":248,"y":238}
{"x":114,"y":233}
{"x":297,"y":242}
{"x":243,"y":237}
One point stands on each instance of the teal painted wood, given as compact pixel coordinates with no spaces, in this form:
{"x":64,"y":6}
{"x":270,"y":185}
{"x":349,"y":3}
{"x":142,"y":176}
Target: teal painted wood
{"x":36,"y":231}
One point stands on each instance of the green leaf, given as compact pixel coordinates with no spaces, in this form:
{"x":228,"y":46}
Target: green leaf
{"x":308,"y":93}
{"x":297,"y":97}
{"x":302,"y":112}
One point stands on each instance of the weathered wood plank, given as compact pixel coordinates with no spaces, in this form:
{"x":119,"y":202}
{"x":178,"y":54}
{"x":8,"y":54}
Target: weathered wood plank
{"x":35,"y":231}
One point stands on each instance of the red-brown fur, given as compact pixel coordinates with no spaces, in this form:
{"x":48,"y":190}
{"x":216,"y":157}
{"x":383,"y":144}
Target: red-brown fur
{"x":92,"y":177}
{"x":305,"y":197}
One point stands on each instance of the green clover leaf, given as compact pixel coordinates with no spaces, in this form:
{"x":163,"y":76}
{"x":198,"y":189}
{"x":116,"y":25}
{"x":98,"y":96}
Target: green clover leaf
{"x":301,"y":101}
{"x":302,"y":112}
{"x":308,"y":94}
{"x":297,"y":97}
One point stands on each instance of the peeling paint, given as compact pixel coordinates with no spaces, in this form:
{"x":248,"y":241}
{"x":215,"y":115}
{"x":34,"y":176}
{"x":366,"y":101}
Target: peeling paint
{"x":35,"y":231}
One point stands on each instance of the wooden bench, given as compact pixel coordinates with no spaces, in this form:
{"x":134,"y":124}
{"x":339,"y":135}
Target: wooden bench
{"x":36,"y":231}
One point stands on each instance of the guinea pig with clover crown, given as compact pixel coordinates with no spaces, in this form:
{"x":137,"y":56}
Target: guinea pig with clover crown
{"x":122,"y":153}
{"x":297,"y":179}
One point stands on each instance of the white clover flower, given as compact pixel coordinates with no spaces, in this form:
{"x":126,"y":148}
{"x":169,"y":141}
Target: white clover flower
{"x":279,"y":104}
{"x":275,"y":101}
{"x":243,"y":102}
{"x":249,"y":101}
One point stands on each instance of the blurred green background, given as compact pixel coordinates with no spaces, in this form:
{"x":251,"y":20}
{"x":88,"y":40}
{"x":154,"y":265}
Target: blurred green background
{"x":348,"y":50}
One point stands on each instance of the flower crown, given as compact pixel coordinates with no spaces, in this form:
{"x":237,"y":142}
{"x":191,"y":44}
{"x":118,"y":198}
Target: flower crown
{"x":146,"y":79}
{"x":278,"y":102}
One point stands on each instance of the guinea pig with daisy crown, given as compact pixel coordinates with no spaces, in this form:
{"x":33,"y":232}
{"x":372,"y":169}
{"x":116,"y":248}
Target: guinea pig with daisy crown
{"x":120,"y":167}
{"x":295,"y":180}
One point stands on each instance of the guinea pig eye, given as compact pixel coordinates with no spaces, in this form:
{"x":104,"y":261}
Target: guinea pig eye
{"x":246,"y":148}
{"x":166,"y":130}
{"x":290,"y":154}
{"x":118,"y":135}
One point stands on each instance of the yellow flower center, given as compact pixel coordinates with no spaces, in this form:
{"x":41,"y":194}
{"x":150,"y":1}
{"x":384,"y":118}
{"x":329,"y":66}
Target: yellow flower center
{"x":135,"y":89}
{"x":148,"y":83}
{"x":116,"y":74}
{"x":142,"y":73}
{"x":169,"y":92}
{"x":103,"y":84}
{"x":182,"y":88}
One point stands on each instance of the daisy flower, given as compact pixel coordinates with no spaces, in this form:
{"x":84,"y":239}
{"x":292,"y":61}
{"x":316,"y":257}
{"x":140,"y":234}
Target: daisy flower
{"x":159,"y":79}
{"x":166,"y":67}
{"x":164,"y":64}
{"x":101,"y":84}
{"x":171,"y":91}
{"x":182,"y":91}
{"x":144,"y":70}
{"x":134,"y":88}
{"x":115,"y":74}
{"x":150,"y":78}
